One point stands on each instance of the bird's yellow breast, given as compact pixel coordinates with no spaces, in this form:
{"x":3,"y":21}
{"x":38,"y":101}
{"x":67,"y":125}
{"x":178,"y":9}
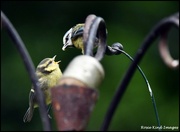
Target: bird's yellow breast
{"x":78,"y":43}
{"x":47,"y":82}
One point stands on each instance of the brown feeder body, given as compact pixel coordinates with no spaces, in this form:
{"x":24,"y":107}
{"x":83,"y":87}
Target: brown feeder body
{"x":72,"y":106}
{"x":75,"y":95}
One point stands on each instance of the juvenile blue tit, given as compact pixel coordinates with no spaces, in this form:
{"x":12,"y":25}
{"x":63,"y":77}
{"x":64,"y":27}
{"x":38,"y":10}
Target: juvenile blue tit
{"x":74,"y":38}
{"x":48,"y":74}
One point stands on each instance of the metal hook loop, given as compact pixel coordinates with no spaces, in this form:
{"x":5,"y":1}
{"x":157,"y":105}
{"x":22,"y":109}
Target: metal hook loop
{"x":163,"y":45}
{"x":95,"y":26}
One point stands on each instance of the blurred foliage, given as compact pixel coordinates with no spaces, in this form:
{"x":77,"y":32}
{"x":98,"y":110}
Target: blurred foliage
{"x":42,"y":25}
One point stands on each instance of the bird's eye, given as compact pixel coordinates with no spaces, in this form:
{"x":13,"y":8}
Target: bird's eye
{"x":66,"y":39}
{"x":50,"y":62}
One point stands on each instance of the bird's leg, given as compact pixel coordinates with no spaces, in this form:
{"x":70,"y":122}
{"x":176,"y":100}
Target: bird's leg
{"x":49,"y":111}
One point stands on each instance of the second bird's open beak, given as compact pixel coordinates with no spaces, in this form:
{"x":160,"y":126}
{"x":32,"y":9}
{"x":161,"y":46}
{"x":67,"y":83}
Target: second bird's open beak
{"x":54,"y":60}
{"x":54,"y":57}
{"x":58,"y":62}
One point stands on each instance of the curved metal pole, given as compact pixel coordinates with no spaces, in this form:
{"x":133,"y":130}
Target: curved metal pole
{"x":29,"y":67}
{"x":155,"y":32}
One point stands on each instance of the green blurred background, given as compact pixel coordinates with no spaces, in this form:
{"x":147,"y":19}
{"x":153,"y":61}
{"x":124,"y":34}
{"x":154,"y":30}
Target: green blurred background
{"x":42,"y":25}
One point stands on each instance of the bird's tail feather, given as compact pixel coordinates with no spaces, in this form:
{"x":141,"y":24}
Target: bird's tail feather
{"x":28,"y":115}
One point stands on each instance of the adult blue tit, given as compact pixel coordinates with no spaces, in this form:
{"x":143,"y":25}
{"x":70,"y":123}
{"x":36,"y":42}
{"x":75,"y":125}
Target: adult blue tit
{"x":48,"y":74}
{"x":74,"y":38}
